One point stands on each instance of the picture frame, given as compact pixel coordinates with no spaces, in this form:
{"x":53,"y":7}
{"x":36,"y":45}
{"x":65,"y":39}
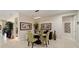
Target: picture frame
{"x":67,"y":28}
{"x":25,"y":26}
{"x":46,"y":26}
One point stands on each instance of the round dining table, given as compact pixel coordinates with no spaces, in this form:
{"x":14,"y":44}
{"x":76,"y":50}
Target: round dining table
{"x":37,"y":36}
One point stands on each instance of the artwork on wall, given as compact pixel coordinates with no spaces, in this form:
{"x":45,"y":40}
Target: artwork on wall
{"x":46,"y":26}
{"x":67,"y":28}
{"x":25,"y":26}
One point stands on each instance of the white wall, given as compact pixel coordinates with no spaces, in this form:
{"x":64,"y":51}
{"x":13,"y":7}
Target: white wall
{"x":71,"y":20}
{"x":57,"y":23}
{"x":77,"y":27}
{"x":12,"y":18}
{"x":23,"y":33}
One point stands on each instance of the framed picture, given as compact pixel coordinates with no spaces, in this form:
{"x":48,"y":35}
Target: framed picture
{"x":67,"y":28}
{"x":25,"y":26}
{"x":46,"y":26}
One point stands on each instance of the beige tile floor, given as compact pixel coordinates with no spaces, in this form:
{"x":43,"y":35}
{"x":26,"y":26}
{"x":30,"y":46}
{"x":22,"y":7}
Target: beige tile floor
{"x":59,"y":43}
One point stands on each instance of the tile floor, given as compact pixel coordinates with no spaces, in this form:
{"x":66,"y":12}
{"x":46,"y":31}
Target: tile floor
{"x":59,"y":43}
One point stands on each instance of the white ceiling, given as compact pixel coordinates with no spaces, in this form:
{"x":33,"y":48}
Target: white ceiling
{"x":31,"y":13}
{"x":5,"y":14}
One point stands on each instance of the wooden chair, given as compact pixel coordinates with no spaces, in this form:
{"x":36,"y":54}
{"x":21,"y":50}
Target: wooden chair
{"x":45,"y":40}
{"x":30,"y":38}
{"x":41,"y":37}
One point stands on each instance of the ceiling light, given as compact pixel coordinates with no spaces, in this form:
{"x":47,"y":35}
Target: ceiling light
{"x":36,"y":10}
{"x":37,"y":17}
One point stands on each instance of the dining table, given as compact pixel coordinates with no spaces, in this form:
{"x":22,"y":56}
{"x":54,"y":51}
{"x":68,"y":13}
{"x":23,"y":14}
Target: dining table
{"x":37,"y":36}
{"x":44,"y":35}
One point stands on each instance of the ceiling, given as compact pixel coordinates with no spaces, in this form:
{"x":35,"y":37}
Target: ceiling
{"x":5,"y":14}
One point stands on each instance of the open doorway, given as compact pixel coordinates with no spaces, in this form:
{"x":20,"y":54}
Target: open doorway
{"x":8,"y":30}
{"x":11,"y":29}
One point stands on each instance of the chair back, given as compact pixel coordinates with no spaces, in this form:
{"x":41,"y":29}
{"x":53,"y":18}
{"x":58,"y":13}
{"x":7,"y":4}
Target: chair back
{"x":30,"y":36}
{"x":41,"y":35}
{"x":47,"y":36}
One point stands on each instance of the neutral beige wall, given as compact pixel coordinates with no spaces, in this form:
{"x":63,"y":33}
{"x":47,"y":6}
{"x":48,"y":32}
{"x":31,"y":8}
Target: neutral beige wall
{"x":77,"y":27}
{"x":23,"y":33}
{"x":56,"y":23}
{"x":71,"y":20}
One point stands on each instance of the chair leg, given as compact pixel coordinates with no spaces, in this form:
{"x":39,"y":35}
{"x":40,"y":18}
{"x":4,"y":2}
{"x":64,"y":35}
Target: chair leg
{"x":28,"y":43}
{"x":48,"y":41}
{"x":46,"y":44}
{"x":32,"y":45}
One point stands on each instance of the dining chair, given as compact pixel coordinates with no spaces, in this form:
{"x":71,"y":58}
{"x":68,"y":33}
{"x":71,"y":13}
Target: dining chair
{"x":41,"y":37}
{"x":30,"y":38}
{"x":45,"y":39}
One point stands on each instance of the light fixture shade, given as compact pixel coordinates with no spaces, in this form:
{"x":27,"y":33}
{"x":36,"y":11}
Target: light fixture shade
{"x":37,"y":17}
{"x":36,"y":10}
